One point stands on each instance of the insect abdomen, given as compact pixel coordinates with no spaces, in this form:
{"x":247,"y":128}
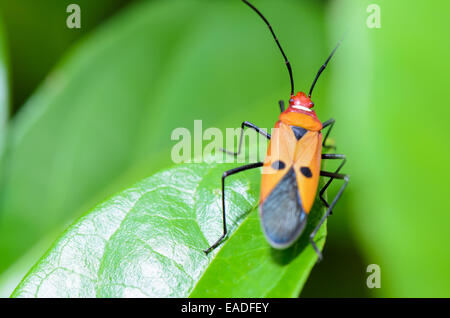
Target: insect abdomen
{"x":282,"y":215}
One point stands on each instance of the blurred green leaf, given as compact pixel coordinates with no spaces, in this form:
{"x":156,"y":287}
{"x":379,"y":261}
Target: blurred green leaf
{"x":38,"y":37}
{"x":148,"y":241}
{"x":104,"y":117}
{"x":4,"y":88}
{"x":390,"y":93}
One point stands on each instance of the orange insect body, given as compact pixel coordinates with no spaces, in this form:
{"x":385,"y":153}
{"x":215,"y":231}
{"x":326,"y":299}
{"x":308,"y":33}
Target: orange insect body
{"x":291,"y":169}
{"x":295,"y":149}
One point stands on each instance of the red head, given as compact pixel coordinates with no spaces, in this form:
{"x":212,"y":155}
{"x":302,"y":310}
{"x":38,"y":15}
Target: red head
{"x":300,"y":114}
{"x":301,"y":101}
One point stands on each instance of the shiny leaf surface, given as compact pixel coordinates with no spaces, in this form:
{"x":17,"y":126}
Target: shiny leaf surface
{"x":148,"y":241}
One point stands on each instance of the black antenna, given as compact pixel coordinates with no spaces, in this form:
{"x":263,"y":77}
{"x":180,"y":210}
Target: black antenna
{"x":322,"y":68}
{"x":288,"y":65}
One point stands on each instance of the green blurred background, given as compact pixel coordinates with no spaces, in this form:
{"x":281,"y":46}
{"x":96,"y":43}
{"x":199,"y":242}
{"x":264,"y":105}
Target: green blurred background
{"x":87,"y":112}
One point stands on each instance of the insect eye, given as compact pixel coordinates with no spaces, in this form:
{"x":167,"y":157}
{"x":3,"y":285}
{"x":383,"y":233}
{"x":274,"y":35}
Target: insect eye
{"x":278,"y":165}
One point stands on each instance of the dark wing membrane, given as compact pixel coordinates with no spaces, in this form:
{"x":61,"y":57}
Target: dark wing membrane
{"x":282,"y":216}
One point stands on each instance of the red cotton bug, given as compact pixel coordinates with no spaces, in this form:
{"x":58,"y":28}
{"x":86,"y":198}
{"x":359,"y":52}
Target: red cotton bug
{"x":291,"y":169}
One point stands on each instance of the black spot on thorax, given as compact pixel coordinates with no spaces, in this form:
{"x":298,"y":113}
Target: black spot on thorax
{"x":299,"y":132}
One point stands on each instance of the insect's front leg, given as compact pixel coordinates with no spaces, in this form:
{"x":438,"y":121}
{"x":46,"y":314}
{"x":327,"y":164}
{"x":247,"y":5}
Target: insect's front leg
{"x":329,"y":123}
{"x":249,"y":125}
{"x":224,"y":176}
{"x":281,"y":103}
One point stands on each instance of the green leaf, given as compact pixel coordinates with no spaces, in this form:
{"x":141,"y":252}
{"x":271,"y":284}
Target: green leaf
{"x":4,"y":88}
{"x":103,"y":118}
{"x":148,"y":241}
{"x":389,"y":96}
{"x":30,"y":25}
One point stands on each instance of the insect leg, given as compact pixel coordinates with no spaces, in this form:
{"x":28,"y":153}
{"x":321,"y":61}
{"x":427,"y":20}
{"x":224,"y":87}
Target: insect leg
{"x":336,"y":198}
{"x":329,"y":123}
{"x":226,"y":174}
{"x":250,"y":125}
{"x":281,"y":103}
{"x":331,"y":156}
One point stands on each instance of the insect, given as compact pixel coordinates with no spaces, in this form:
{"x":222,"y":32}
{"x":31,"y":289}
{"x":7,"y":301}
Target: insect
{"x":292,"y":167}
